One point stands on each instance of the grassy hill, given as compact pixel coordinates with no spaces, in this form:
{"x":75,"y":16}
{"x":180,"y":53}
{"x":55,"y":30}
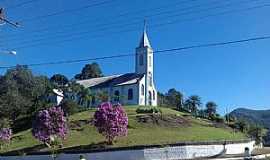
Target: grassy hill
{"x":144,"y":129}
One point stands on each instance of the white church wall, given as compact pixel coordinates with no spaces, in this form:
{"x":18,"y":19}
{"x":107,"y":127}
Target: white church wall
{"x":95,"y":93}
{"x":123,"y":90}
{"x":154,"y":95}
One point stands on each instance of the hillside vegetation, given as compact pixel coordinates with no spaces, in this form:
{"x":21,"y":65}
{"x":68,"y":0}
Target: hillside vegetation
{"x":143,"y":129}
{"x":261,"y":117}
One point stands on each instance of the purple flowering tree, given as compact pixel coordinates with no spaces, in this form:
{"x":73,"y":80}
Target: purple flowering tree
{"x":111,"y":121}
{"x":5,"y":136}
{"x":50,"y":127}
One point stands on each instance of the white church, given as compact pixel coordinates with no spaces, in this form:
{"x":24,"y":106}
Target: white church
{"x":136,"y":88}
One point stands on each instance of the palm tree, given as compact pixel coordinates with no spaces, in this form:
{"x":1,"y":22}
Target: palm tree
{"x":174,"y":98}
{"x":211,"y":108}
{"x":78,"y":93}
{"x":85,"y":96}
{"x":242,"y":125}
{"x":193,"y":103}
{"x":256,"y":132}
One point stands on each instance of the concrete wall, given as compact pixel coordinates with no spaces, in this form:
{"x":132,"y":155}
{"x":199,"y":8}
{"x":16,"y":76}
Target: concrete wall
{"x":195,"y":151}
{"x":238,"y":147}
{"x":169,"y":153}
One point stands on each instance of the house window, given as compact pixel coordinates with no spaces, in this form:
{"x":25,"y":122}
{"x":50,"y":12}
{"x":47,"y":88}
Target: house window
{"x":141,"y":59}
{"x":116,"y":96}
{"x":142,"y":89}
{"x":154,"y":95}
{"x":130,"y":94}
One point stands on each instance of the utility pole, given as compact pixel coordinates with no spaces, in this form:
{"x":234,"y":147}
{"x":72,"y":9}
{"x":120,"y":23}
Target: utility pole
{"x":4,"y":21}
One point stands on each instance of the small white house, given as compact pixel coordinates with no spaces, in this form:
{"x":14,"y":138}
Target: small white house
{"x":136,"y":88}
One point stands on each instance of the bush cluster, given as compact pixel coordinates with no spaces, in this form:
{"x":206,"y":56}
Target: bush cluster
{"x":148,"y":109}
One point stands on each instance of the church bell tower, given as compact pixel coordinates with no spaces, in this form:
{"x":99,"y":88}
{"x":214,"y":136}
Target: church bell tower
{"x":144,"y":65}
{"x":144,"y":55}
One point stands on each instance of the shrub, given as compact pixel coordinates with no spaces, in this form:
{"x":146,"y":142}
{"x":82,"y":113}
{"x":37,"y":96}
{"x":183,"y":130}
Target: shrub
{"x":70,"y":107}
{"x":149,"y":109}
{"x":242,"y":125}
{"x":4,"y":123}
{"x":218,"y":119}
{"x":111,"y":121}
{"x":5,"y":136}
{"x":22,"y":123}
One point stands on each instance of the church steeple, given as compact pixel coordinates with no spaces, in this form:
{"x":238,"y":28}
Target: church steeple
{"x":144,"y":55}
{"x":144,"y":42}
{"x":144,"y":64}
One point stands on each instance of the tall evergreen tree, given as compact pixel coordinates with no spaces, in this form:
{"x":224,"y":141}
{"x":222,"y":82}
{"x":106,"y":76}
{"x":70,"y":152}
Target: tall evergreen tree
{"x":193,"y":103}
{"x":59,"y":80}
{"x":211,"y":108}
{"x":20,"y":92}
{"x":174,"y":98}
{"x":89,"y":71}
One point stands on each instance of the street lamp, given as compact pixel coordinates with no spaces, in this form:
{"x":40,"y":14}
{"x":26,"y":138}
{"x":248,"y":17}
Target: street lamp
{"x":8,"y":52}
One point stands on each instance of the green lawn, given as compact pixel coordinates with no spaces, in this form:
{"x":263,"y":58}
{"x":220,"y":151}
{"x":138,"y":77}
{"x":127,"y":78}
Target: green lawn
{"x":138,"y":133}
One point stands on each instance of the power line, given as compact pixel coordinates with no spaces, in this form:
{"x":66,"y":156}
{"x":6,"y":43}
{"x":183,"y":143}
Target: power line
{"x":21,"y":4}
{"x":119,"y":25}
{"x":91,"y":21}
{"x":216,"y":14}
{"x":167,"y":51}
{"x":137,"y":21}
{"x":83,"y":34}
{"x":69,"y":11}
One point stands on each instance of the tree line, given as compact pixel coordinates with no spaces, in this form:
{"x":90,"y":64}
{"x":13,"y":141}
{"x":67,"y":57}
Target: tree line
{"x":192,"y":104}
{"x":23,"y":93}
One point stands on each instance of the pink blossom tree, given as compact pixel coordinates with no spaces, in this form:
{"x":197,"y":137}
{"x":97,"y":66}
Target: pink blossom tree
{"x":111,"y":121}
{"x":50,"y":127}
{"x":5,"y":136}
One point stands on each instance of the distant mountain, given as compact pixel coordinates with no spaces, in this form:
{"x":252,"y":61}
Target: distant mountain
{"x":261,"y":117}
{"x":255,"y":116}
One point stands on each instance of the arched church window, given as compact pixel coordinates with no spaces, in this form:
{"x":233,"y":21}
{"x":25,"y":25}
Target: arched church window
{"x":142,"y":89}
{"x":130,"y":94}
{"x":116,"y":96}
{"x":150,"y":98}
{"x":141,"y":59}
{"x":150,"y":79}
{"x":154,"y":95}
{"x":150,"y":61}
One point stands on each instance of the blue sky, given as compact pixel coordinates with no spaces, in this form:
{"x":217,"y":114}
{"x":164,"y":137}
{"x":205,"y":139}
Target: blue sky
{"x":233,"y":76}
